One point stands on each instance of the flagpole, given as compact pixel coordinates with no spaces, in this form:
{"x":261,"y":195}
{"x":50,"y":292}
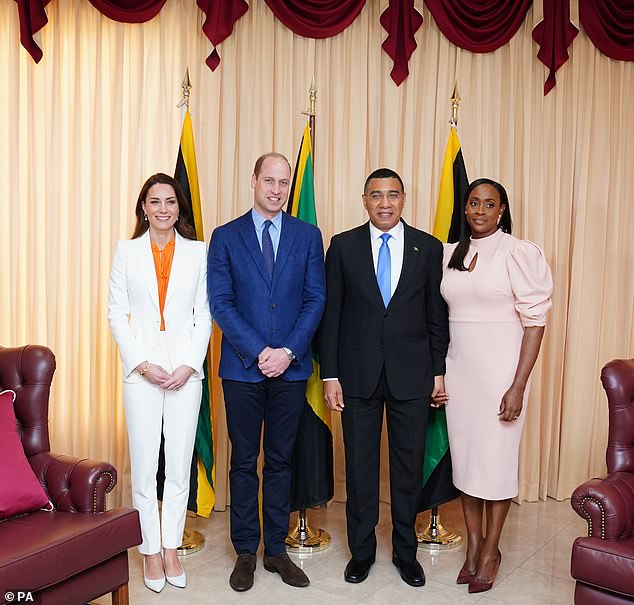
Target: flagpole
{"x":193,"y":540}
{"x":435,"y":536}
{"x":312,"y":112}
{"x":305,"y":539}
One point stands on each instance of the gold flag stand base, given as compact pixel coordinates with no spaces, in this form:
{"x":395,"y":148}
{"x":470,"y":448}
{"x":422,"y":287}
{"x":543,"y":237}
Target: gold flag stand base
{"x":436,"y":537}
{"x":193,"y":541}
{"x":304,"y":539}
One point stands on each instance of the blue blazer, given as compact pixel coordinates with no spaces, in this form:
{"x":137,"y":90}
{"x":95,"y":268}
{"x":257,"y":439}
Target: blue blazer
{"x":255,"y":311}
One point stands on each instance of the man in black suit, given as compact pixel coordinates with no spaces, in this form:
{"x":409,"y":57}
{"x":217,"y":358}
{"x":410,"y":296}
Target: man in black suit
{"x":383,"y":341}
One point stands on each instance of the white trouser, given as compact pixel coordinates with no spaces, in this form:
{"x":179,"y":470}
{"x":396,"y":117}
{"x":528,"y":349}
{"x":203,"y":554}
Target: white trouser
{"x":148,"y":410}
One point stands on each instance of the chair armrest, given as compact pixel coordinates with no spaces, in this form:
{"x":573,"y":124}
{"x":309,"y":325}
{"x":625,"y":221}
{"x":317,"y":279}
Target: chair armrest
{"x":74,"y":484}
{"x":607,"y":505}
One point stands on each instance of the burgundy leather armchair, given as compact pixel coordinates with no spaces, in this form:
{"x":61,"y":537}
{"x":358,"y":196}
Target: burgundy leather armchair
{"x":78,"y":552}
{"x":603,"y":562}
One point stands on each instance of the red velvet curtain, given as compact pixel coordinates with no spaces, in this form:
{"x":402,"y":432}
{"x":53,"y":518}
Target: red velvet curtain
{"x":32,"y":18}
{"x":129,"y":11}
{"x":401,"y":20}
{"x":554,"y":35}
{"x":316,"y":18}
{"x":220,"y":17}
{"x":610,"y":26}
{"x":479,"y":26}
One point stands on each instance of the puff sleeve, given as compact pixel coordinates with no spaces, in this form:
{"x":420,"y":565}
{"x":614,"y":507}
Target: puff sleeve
{"x":531,"y":282}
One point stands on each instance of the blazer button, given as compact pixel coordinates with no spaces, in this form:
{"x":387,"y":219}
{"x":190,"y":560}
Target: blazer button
{"x":385,"y":314}
{"x":273,"y":306}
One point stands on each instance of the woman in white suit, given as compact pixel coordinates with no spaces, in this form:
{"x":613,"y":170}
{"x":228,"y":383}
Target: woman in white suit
{"x":160,"y":319}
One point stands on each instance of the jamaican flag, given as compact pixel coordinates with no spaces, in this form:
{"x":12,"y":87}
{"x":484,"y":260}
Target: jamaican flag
{"x":313,"y":481}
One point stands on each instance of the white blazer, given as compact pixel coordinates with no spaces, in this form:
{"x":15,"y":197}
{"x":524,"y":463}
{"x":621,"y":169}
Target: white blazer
{"x":133,"y":306}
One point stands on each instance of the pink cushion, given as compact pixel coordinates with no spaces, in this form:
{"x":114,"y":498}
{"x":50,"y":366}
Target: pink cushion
{"x":20,"y":491}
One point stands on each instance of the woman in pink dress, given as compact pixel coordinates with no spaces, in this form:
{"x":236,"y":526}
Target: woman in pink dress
{"x":498,"y":290}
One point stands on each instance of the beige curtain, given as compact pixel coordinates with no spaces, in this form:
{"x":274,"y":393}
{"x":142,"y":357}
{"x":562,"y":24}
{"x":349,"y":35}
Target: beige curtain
{"x":83,"y":129}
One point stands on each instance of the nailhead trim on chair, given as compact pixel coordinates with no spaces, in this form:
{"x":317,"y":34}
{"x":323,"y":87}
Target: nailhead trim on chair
{"x":589,"y":518}
{"x":108,"y":489}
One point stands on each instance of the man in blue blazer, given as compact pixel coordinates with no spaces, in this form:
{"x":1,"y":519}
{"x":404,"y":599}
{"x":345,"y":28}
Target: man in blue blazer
{"x":267,"y":291}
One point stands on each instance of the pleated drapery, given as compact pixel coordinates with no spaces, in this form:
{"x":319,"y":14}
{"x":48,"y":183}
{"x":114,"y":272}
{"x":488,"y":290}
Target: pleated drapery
{"x":84,"y":128}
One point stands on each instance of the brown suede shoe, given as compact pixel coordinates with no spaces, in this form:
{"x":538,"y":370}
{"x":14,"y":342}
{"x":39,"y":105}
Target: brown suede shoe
{"x":241,"y":578}
{"x":291,"y":574}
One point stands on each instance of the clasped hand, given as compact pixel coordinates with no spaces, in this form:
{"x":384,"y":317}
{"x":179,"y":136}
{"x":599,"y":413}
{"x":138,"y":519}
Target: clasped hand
{"x":439,"y":396}
{"x":161,"y":377}
{"x":273,"y":362}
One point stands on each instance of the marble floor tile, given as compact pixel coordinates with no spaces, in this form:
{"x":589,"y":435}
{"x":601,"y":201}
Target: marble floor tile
{"x":536,"y":546}
{"x":526,"y":587}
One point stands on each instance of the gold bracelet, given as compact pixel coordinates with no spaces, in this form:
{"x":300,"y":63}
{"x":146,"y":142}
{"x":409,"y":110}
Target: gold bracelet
{"x":144,"y":371}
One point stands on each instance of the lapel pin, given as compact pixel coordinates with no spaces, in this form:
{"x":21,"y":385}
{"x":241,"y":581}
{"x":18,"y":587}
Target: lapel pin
{"x":415,"y":249}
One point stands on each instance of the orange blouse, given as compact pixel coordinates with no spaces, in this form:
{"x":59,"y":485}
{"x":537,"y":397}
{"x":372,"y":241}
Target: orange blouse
{"x":163,"y":266}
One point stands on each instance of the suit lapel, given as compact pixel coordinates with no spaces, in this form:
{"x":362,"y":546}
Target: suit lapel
{"x":247,"y":232}
{"x":146,"y":266}
{"x":363,"y":249}
{"x":179,"y":266}
{"x":411,"y":254}
{"x":287,"y":237}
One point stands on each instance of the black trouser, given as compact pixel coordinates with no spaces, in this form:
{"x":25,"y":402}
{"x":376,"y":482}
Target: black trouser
{"x":362,"y":421}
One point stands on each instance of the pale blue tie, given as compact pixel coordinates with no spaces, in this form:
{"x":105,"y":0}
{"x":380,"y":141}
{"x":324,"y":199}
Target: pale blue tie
{"x":384,"y":270}
{"x":267,"y":248}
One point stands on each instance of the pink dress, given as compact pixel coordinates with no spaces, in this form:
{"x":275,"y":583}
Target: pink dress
{"x":509,"y":289}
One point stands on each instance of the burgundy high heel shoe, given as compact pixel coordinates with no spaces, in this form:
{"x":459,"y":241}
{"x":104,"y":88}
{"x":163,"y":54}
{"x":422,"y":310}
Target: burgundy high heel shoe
{"x":477,"y":585}
{"x":465,"y":576}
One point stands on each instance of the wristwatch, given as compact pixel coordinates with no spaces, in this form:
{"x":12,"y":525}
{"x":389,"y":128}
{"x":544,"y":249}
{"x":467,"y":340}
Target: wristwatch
{"x":289,"y":353}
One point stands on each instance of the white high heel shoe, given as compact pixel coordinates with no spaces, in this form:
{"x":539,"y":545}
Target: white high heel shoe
{"x":155,"y":585}
{"x":179,"y":581}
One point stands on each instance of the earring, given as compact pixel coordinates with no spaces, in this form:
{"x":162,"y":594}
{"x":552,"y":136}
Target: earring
{"x":176,"y":221}
{"x":499,"y":219}
{"x":145,"y":217}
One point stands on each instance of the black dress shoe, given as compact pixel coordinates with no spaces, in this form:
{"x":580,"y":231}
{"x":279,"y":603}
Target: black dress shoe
{"x":241,"y":577}
{"x":291,"y":574}
{"x":357,"y":570}
{"x":411,"y":573}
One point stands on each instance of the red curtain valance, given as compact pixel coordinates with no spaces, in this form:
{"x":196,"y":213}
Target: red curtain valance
{"x":610,"y":26}
{"x":32,"y":17}
{"x":316,"y":18}
{"x":475,"y":25}
{"x":554,"y":35}
{"x":479,"y":26}
{"x":129,"y":11}
{"x":402,"y":21}
{"x":220,"y":17}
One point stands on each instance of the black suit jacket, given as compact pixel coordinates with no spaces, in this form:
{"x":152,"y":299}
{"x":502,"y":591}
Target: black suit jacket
{"x":358,"y":335}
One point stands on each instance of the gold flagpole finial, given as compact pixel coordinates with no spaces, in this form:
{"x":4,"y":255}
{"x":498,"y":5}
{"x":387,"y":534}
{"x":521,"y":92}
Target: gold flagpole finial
{"x":186,"y":86}
{"x":455,"y":103}
{"x":312,"y":100}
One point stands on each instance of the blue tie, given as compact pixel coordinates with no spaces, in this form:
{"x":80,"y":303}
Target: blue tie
{"x":384,"y":270}
{"x":267,"y":248}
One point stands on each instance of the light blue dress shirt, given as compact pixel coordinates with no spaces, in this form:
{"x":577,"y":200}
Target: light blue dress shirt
{"x":274,"y":230}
